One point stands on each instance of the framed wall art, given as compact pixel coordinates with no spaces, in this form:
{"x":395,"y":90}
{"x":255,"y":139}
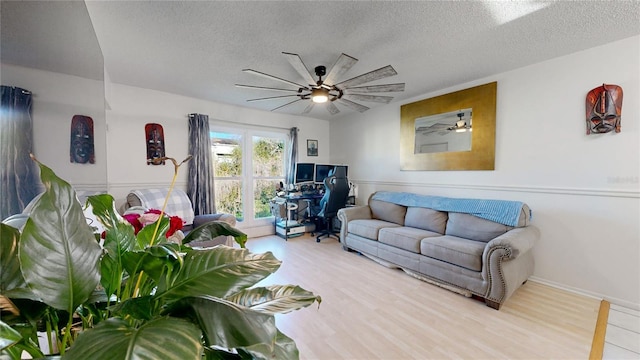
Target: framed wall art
{"x":312,"y":147}
{"x":455,"y":131}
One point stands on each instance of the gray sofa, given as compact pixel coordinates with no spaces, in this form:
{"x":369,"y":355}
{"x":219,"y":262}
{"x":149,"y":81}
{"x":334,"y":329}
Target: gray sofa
{"x":476,"y":247}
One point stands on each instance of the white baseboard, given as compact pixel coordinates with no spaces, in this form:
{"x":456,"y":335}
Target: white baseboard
{"x":257,"y":231}
{"x":612,"y":300}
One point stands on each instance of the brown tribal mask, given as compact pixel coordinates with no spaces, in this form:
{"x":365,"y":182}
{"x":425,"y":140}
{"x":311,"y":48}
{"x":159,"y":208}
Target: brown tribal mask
{"x":604,"y":109}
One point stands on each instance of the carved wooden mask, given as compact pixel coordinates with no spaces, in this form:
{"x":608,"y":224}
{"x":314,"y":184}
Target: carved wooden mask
{"x":82,"y":149}
{"x":155,"y":144}
{"x":604,"y":109}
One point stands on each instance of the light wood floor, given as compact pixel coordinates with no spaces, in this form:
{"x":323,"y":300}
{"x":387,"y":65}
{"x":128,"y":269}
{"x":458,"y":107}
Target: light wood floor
{"x":372,"y":312}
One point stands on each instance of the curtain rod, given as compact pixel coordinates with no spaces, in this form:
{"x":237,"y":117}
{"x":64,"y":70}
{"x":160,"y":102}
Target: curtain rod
{"x":256,"y":125}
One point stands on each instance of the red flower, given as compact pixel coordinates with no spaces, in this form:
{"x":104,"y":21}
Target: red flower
{"x":175,"y":224}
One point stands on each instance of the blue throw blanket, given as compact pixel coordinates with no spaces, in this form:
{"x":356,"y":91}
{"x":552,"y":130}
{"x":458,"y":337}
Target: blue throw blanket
{"x":501,"y":211}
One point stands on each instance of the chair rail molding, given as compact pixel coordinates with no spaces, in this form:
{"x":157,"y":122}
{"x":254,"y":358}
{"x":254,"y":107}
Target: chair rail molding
{"x":631,"y":194}
{"x":143,"y":185}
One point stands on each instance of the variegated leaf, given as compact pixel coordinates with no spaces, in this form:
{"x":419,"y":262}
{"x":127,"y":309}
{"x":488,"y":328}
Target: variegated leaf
{"x":219,"y":271}
{"x":276,"y":299}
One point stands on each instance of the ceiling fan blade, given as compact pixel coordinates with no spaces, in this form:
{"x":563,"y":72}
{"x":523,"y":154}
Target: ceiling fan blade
{"x":354,"y":106}
{"x":264,"y":88}
{"x":332,"y":108}
{"x":296,"y":62}
{"x":289,"y":103}
{"x":375,"y":88}
{"x":271,"y":98}
{"x":368,"y":77}
{"x":371,"y":98}
{"x":344,"y":63}
{"x":255,"y":72}
{"x":308,"y":108}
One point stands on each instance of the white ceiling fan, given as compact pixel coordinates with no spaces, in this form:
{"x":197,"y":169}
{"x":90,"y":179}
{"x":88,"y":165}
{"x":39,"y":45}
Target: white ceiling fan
{"x":327,"y":89}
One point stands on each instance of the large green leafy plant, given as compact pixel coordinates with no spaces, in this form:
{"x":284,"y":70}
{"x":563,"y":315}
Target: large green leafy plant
{"x":135,"y":297}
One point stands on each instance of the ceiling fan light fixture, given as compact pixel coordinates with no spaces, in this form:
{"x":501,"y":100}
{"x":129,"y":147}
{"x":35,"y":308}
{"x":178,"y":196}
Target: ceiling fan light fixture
{"x":320,"y":95}
{"x":326,"y":90}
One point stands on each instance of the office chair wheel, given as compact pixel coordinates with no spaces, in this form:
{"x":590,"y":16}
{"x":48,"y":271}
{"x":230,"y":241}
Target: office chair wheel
{"x":317,"y":240}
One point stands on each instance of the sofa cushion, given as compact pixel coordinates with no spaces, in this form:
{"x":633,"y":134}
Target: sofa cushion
{"x":387,"y":211}
{"x":454,"y":250}
{"x":368,"y":228}
{"x":427,"y":219}
{"x":474,"y":228}
{"x":403,"y":237}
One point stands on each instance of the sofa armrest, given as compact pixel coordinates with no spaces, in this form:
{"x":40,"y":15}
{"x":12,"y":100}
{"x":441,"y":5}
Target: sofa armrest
{"x":514,"y":242}
{"x":202,"y":219}
{"x":352,"y":213}
{"x":220,"y":240}
{"x":508,"y":262}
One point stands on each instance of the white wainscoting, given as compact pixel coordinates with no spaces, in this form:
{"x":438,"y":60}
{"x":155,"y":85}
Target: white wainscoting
{"x":589,"y":237}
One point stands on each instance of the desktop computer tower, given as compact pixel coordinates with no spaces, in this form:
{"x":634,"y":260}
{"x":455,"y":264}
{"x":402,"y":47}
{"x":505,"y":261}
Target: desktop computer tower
{"x":292,"y":230}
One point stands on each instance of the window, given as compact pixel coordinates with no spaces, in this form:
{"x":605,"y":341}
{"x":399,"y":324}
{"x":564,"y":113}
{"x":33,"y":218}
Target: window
{"x":268,"y":171}
{"x":227,"y":168}
{"x":247,"y":166}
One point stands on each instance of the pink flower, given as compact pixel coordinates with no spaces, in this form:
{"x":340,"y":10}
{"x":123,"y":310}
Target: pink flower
{"x":133,"y":219}
{"x":148,"y":218}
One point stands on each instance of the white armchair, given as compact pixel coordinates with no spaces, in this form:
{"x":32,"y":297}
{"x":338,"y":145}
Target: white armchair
{"x":180,"y":205}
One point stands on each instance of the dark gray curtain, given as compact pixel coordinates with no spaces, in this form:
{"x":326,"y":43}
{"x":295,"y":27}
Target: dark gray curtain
{"x":292,"y":157}
{"x":19,"y":182}
{"x":200,"y":186}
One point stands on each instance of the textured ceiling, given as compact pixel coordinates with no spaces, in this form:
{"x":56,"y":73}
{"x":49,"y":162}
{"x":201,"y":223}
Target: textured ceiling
{"x":199,"y":48}
{"x":40,"y":34}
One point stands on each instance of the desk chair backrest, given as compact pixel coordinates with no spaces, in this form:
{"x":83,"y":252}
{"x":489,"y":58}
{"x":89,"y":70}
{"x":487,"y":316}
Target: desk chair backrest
{"x":336,"y":187}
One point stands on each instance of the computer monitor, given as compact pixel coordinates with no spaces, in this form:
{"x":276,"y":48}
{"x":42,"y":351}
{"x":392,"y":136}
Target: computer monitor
{"x":304,"y":172}
{"x":322,"y":171}
{"x":346,"y":169}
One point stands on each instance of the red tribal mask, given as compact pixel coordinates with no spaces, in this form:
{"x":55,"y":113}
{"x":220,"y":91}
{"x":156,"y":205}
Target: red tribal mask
{"x":604,"y":109}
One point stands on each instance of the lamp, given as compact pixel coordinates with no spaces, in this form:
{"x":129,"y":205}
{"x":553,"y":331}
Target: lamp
{"x":319,"y":95}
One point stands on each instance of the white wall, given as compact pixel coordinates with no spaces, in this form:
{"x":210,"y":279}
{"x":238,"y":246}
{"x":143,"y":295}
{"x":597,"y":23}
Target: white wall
{"x":131,"y":108}
{"x":584,"y":190}
{"x":56,"y":99}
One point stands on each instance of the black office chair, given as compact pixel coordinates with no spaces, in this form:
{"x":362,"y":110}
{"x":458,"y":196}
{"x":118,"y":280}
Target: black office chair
{"x":336,"y":193}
